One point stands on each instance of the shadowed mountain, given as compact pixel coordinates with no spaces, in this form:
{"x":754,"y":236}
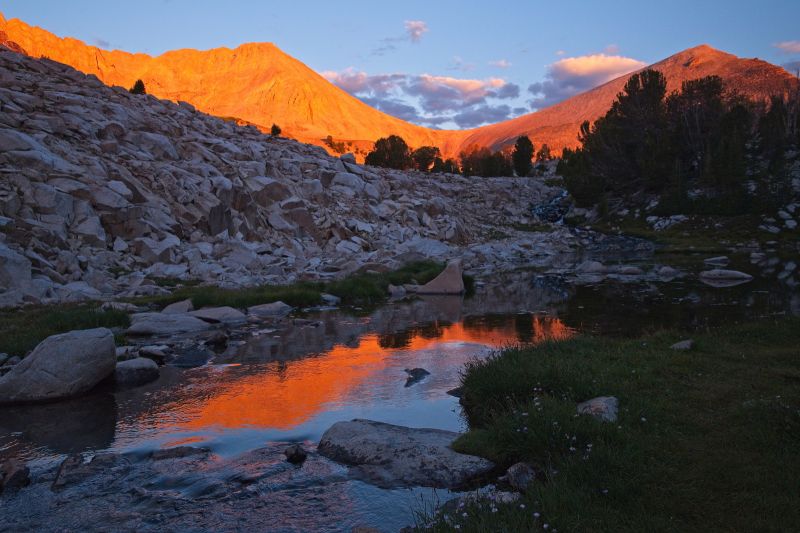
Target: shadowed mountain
{"x":257,"y":83}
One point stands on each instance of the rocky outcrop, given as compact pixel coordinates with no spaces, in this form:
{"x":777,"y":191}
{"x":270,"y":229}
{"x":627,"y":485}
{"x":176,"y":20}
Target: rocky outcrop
{"x":603,"y":408}
{"x":61,"y":366}
{"x":104,"y":192}
{"x":389,"y":455}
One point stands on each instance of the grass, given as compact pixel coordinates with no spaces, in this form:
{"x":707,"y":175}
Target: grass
{"x":22,"y":330}
{"x":708,"y":234}
{"x":706,"y":439}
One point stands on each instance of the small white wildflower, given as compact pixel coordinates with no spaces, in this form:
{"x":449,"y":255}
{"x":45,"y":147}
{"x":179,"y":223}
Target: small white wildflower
{"x":536,"y":515}
{"x":545,"y":526}
{"x":522,"y":506}
{"x":644,"y":419}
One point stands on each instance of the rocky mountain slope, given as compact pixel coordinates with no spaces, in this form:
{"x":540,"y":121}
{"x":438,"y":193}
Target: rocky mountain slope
{"x":269,"y":87}
{"x":102,"y":192}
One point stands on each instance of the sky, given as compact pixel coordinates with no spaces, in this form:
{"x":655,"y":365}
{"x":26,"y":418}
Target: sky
{"x":440,"y":63}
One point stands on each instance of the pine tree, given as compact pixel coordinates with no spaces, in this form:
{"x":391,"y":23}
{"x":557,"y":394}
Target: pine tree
{"x":138,"y":88}
{"x":522,"y":156}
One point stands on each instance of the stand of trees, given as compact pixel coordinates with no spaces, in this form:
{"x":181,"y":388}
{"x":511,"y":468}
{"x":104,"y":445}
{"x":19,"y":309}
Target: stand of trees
{"x":138,"y":88}
{"x":700,"y":137}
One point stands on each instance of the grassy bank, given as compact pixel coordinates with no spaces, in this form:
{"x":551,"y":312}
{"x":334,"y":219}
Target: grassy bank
{"x":22,"y":329}
{"x":706,"y":440}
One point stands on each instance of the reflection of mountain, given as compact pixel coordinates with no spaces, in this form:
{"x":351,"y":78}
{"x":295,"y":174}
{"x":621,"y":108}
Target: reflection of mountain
{"x":283,"y":394}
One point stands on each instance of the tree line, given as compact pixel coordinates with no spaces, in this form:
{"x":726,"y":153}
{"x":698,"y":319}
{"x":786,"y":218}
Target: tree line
{"x":702,"y":137}
{"x":394,"y":152}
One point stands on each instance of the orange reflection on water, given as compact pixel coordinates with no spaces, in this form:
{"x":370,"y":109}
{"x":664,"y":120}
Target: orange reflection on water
{"x":285,"y":395}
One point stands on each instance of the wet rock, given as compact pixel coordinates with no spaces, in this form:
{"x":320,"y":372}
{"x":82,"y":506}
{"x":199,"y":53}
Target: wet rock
{"x":165,"y":324}
{"x":724,"y":278}
{"x":591,"y":267}
{"x":225,"y":315}
{"x":450,"y":281}
{"x":389,"y":455}
{"x":330,"y":299}
{"x":157,"y":353}
{"x":136,"y":372}
{"x":717,"y":261}
{"x":415,"y":375}
{"x":192,"y":357}
{"x":61,"y":366}
{"x":458,"y":392}
{"x":520,"y":476}
{"x":74,"y":469}
{"x":604,"y":408}
{"x":274,"y":309}
{"x":218,"y":339}
{"x":684,"y":345}
{"x":13,"y":475}
{"x":184,"y":306}
{"x":178,"y":452}
{"x":295,"y":454}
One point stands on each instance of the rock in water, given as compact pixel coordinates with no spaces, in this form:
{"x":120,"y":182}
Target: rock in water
{"x":604,"y":408}
{"x":450,"y":281}
{"x":295,"y":454}
{"x":226,"y":315}
{"x":14,"y":475}
{"x":415,"y":375}
{"x":136,"y":372}
{"x":274,"y":309}
{"x":61,"y":366}
{"x":724,"y":278}
{"x":391,"y":456}
{"x":721,"y":260}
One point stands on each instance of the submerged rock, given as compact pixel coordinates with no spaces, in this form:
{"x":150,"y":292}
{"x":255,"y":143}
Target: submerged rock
{"x":61,"y":366}
{"x":389,"y":455}
{"x":415,"y":375}
{"x":450,"y":281}
{"x":295,"y":454}
{"x":604,"y":408}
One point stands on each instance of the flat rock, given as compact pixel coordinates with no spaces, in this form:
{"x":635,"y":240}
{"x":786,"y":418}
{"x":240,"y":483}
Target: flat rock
{"x":61,"y":366}
{"x":135,"y":372}
{"x":603,"y":408}
{"x":721,"y":260}
{"x":274,"y":309}
{"x":724,"y":278}
{"x":165,"y":324}
{"x":390,"y":456}
{"x":225,"y":315}
{"x":450,"y":281}
{"x":184,"y":306}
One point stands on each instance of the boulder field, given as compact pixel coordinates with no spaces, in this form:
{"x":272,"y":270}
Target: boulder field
{"x":103,"y":192}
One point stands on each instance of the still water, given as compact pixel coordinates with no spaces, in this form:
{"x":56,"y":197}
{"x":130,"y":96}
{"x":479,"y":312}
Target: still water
{"x":290,"y":381}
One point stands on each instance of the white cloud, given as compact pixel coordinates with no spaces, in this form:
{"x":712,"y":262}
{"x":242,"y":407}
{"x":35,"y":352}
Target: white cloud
{"x":429,"y":99}
{"x":415,"y":29}
{"x":573,"y":75}
{"x":788,"y":47}
{"x":500,"y":63}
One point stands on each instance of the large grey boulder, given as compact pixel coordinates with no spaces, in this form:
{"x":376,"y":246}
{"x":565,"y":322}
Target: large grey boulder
{"x":165,"y":324}
{"x":391,"y":456}
{"x":15,"y":269}
{"x":61,"y":366}
{"x":135,"y":372}
{"x":450,"y":281}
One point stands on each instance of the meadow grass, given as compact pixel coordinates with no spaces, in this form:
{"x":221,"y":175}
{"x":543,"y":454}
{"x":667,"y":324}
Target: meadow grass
{"x":707,"y":439}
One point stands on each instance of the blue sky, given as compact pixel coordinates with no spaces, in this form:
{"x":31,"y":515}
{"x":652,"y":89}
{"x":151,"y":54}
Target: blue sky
{"x":440,"y":62}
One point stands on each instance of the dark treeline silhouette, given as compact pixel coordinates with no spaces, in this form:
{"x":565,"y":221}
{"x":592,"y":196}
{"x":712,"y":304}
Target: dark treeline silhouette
{"x":699,"y":138}
{"x":393,"y":152}
{"x":138,"y":88}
